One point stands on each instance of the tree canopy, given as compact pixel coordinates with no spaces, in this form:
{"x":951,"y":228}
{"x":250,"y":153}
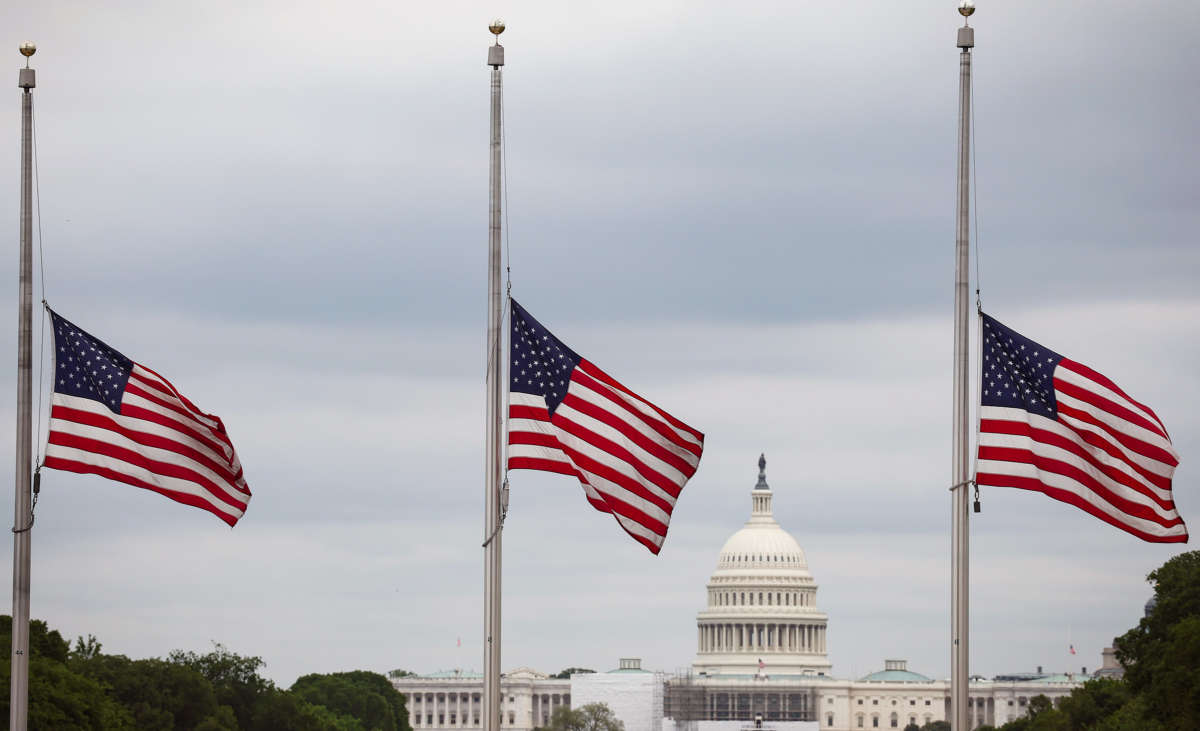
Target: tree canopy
{"x":591,"y":717}
{"x":81,"y":688}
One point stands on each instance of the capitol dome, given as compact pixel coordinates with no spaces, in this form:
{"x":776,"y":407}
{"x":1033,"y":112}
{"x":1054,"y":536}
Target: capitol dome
{"x":761,"y":617}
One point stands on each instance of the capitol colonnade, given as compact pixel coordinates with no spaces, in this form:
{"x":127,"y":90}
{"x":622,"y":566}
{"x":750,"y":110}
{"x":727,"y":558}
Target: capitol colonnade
{"x":761,"y":637}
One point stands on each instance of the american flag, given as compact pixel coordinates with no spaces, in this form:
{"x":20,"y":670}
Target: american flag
{"x":1049,"y":424}
{"x":115,"y":418}
{"x":566,"y":415}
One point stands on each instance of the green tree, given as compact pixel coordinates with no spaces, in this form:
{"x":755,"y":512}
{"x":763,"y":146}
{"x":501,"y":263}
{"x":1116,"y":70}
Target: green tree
{"x":222,"y":720}
{"x":364,"y":696}
{"x":281,"y":709}
{"x":1133,"y":716}
{"x":1093,"y":701}
{"x":567,"y":673}
{"x":58,"y":697}
{"x":235,"y":679}
{"x":936,"y":726}
{"x":158,"y":694}
{"x":592,"y":717}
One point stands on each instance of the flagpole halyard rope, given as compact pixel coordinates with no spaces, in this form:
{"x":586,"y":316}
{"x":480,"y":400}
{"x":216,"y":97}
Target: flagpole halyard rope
{"x":37,"y":199}
{"x":978,"y":397}
{"x":975,"y":195}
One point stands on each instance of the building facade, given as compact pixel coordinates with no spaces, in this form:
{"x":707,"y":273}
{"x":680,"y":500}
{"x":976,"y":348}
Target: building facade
{"x":454,"y":699}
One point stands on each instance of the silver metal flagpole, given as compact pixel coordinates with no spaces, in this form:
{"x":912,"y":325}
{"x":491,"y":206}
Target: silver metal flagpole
{"x":960,"y":592}
{"x":493,"y":526}
{"x":18,"y":717}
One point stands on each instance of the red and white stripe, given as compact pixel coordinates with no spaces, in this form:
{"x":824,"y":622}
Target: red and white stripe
{"x":631,"y":457}
{"x":160,"y":441}
{"x":1106,"y":454}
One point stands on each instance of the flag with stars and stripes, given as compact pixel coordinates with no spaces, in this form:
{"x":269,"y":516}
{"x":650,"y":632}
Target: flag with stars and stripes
{"x":1049,"y":424}
{"x":566,"y":415}
{"x":115,"y":418}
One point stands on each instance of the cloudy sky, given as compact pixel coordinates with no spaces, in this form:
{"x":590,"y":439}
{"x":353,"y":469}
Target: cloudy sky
{"x":743,"y":210}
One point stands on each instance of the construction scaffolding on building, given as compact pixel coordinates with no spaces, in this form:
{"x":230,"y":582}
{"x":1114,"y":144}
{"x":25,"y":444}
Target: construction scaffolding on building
{"x":689,"y":698}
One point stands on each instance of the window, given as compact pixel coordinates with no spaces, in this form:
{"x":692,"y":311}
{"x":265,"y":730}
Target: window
{"x":453,"y":719}
{"x":829,"y":720}
{"x":860,"y":701}
{"x":512,"y":718}
{"x":912,"y":703}
{"x":441,"y":719}
{"x":429,"y":719}
{"x":874,"y":721}
{"x":895,"y":721}
{"x":860,"y":720}
{"x":831,"y":701}
{"x":874,"y":701}
{"x":927,"y":702}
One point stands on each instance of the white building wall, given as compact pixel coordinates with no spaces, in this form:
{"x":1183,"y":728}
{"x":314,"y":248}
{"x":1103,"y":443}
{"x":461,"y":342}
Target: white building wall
{"x":635,"y":698}
{"x":992,"y":703}
{"x":457,"y":702}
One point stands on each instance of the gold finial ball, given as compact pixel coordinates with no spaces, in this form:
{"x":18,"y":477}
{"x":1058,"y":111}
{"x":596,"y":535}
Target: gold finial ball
{"x":966,"y":7}
{"x":28,"y":49}
{"x":497,"y":27}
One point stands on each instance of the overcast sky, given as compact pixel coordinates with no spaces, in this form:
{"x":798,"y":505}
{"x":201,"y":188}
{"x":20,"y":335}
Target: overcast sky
{"x":744,"y":211}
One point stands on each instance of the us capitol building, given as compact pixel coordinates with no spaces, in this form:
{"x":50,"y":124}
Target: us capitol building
{"x":761,"y":656}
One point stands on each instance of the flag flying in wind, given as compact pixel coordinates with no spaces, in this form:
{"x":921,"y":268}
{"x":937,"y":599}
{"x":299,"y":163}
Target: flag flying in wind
{"x":115,"y":418}
{"x":1049,"y":424}
{"x":566,"y":415}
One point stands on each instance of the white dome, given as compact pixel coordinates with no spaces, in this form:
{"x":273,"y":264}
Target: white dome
{"x":762,"y":546}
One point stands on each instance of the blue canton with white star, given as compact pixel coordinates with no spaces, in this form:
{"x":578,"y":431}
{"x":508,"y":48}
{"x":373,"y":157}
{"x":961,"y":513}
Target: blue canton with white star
{"x":540,"y":363}
{"x":1017,"y":372}
{"x":86,"y":367}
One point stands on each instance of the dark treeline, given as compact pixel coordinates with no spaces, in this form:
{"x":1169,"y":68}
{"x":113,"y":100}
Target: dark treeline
{"x":80,"y":687}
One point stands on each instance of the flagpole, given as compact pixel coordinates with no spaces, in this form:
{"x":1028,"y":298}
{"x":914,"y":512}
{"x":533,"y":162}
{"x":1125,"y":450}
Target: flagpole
{"x":18,"y":717}
{"x":960,"y":533}
{"x":493,"y":525}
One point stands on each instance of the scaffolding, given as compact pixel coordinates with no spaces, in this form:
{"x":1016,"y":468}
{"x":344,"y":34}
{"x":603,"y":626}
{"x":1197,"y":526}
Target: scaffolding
{"x":688,"y":698}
